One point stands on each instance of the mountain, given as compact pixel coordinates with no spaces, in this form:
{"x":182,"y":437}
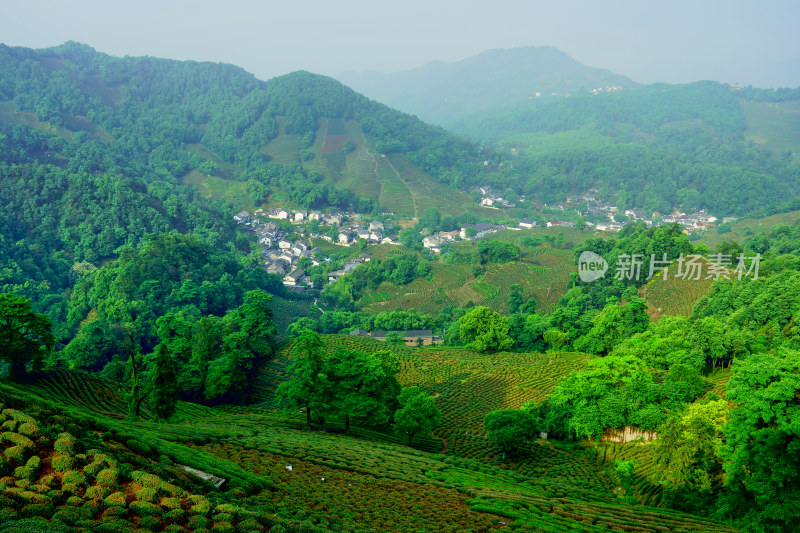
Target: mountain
{"x":306,"y":139}
{"x":442,"y":92}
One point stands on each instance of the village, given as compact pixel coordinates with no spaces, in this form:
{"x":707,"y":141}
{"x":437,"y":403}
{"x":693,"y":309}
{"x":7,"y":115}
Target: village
{"x":287,"y":234}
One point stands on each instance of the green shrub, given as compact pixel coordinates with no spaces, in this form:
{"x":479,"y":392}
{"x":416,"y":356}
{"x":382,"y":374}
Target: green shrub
{"x":198,"y":522}
{"x":201,"y":505}
{"x":145,"y":509}
{"x":15,"y":455}
{"x":70,"y":488}
{"x":174,"y":528}
{"x":97,"y":492}
{"x":223,"y":526}
{"x":116,"y":499}
{"x":174,"y":516}
{"x":108,"y":477}
{"x":65,"y":444}
{"x":29,"y":429}
{"x":170,"y":503}
{"x":223,"y":517}
{"x":249,"y":525}
{"x":114,"y":525}
{"x":73,"y":477}
{"x":45,"y":510}
{"x":146,"y":495}
{"x":9,"y":425}
{"x":72,"y":515}
{"x":114,"y":511}
{"x":75,"y":501}
{"x":150,"y":523}
{"x":139,"y":447}
{"x":62,"y":462}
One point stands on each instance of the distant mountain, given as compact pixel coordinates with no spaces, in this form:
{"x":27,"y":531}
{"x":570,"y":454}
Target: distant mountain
{"x":494,"y":80}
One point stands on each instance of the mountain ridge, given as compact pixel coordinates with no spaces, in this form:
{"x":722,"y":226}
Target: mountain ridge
{"x":441,"y":92}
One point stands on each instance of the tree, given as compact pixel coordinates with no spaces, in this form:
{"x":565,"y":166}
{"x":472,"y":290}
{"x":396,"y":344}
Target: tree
{"x":417,"y":414}
{"x":515,"y":300}
{"x":556,"y":339}
{"x":688,"y":447}
{"x":485,"y":330}
{"x":363,"y":386}
{"x":165,"y":387}
{"x":25,"y":336}
{"x":137,"y":394}
{"x":307,"y":386}
{"x":762,"y":446}
{"x":511,"y":429}
{"x":394,"y":338}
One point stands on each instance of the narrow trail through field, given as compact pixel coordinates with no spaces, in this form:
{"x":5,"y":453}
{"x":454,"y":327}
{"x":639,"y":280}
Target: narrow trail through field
{"x":375,"y":160}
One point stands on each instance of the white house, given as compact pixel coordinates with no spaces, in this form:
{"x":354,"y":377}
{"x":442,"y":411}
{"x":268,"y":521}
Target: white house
{"x":527,"y":223}
{"x":284,"y":244}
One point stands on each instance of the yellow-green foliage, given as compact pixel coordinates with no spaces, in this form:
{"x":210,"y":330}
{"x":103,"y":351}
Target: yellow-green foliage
{"x":116,"y":499}
{"x":146,"y":494}
{"x":30,"y":470}
{"x":15,"y":455}
{"x":29,"y":429}
{"x":73,"y":477}
{"x":18,"y":416}
{"x":145,"y":508}
{"x":170,"y":503}
{"x":17,"y":440}
{"x":97,"y":492}
{"x":108,"y":477}
{"x":201,"y":505}
{"x":65,"y":444}
{"x":63,"y":462}
{"x":9,"y":425}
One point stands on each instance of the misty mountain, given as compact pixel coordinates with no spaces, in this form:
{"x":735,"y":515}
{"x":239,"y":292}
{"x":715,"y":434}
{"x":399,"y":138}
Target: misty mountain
{"x":498,"y":79}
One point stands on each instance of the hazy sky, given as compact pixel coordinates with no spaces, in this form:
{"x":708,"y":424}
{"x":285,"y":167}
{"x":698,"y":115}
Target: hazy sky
{"x":672,"y":41}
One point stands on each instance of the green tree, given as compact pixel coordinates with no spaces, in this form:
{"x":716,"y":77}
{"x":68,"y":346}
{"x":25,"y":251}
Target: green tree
{"x":417,"y":414}
{"x":510,"y":430}
{"x":556,"y":339}
{"x":485,"y":330}
{"x":688,"y":451}
{"x":762,"y":440}
{"x":165,"y":386}
{"x":363,"y":386}
{"x":307,"y":386}
{"x":395,"y":338}
{"x":515,"y":300}
{"x":25,"y":336}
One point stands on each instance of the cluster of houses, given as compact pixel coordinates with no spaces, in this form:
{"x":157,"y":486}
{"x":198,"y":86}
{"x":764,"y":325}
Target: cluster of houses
{"x":280,"y":255}
{"x":492,"y":199}
{"x":348,"y":267}
{"x":372,"y":233}
{"x":435,"y":241}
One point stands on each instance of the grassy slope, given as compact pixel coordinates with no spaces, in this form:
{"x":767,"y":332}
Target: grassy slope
{"x":774,"y":126}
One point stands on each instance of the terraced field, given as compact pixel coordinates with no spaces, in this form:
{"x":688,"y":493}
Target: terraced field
{"x":544,"y":274}
{"x":673,"y":296}
{"x":316,"y":479}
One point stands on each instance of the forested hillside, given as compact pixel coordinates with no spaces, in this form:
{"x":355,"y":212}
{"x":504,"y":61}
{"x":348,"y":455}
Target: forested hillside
{"x":657,"y":147}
